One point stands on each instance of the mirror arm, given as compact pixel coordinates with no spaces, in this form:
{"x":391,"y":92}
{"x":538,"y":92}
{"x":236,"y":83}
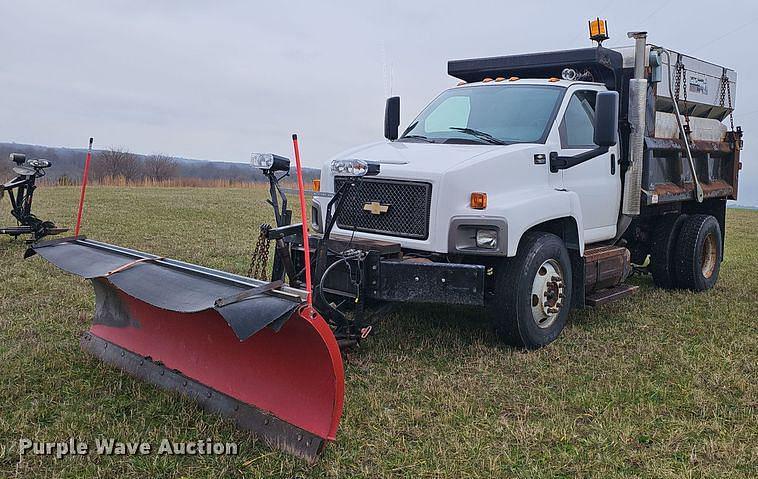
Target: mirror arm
{"x":558,"y":163}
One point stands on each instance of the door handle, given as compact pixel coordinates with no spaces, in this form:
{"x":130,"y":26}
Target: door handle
{"x":613,"y":164}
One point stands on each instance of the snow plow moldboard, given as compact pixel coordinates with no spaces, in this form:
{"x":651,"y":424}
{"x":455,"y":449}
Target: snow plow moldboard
{"x":250,"y":350}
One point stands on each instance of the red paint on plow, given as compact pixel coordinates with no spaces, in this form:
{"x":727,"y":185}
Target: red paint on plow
{"x":296,"y":374}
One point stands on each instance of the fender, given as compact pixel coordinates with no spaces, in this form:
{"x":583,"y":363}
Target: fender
{"x":524,"y":209}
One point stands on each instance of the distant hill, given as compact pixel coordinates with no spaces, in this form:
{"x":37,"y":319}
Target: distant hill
{"x":70,"y":162}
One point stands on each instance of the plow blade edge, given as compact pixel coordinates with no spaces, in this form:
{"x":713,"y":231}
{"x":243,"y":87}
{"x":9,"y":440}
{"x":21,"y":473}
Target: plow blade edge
{"x":250,"y":350}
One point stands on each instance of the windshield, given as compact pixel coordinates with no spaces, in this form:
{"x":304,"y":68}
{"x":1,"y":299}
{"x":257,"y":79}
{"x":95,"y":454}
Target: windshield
{"x":491,"y":114}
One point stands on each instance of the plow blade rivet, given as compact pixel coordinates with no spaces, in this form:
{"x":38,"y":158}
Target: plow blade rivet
{"x":265,"y":422}
{"x":299,"y":437}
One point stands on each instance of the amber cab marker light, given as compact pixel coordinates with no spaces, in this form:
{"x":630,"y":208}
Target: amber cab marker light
{"x":487,"y":80}
{"x":478,"y":200}
{"x":316,"y":185}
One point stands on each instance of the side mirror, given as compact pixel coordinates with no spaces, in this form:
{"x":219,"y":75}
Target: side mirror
{"x":392,"y":118}
{"x":606,"y":118}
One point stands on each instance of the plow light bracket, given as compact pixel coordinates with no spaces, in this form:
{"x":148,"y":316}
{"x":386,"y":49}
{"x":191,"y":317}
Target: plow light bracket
{"x":354,"y":168}
{"x":269,"y":162}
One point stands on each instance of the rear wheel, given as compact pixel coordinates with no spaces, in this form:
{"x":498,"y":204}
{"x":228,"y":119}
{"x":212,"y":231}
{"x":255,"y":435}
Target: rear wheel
{"x":663,"y":250}
{"x":699,"y":253}
{"x":533,"y":292}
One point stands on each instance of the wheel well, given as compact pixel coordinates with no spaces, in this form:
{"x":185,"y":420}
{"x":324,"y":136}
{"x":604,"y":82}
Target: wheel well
{"x":564,"y":228}
{"x":567,"y":229}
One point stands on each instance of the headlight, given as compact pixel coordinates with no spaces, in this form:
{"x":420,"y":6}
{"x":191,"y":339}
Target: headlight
{"x":354,"y":168}
{"x":269,"y":162}
{"x":486,"y":239}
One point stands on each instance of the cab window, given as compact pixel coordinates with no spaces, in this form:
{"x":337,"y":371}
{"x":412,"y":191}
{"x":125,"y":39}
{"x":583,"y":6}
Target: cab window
{"x":577,"y":129}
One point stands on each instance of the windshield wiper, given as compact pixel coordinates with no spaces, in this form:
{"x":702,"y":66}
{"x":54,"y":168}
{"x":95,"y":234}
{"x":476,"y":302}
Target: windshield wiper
{"x":417,"y":137}
{"x":482,"y":135}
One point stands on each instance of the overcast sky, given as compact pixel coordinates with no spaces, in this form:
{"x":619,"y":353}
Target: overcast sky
{"x":217,"y":80}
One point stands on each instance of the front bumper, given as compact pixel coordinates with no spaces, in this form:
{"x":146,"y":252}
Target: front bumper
{"x":385,"y":275}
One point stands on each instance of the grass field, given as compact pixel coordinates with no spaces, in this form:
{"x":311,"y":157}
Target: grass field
{"x":660,"y":385}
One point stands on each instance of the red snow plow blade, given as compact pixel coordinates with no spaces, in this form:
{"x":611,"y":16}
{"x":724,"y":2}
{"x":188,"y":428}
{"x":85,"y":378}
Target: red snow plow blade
{"x":250,"y":350}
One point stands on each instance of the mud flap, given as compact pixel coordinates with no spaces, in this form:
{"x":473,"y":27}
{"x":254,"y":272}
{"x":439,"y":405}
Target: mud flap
{"x":237,"y":346}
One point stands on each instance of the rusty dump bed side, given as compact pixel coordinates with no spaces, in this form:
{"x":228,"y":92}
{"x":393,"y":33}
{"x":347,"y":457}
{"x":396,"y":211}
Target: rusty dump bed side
{"x":666,"y":172}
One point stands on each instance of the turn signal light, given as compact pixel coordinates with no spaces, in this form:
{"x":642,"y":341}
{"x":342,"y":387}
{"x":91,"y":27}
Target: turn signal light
{"x":316,"y":185}
{"x":478,"y":200}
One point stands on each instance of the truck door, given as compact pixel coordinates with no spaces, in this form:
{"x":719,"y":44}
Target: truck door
{"x":597,"y":181}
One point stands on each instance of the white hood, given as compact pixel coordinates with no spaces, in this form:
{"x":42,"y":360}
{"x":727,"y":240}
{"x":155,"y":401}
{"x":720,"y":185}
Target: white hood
{"x":431,"y":157}
{"x":425,"y":161}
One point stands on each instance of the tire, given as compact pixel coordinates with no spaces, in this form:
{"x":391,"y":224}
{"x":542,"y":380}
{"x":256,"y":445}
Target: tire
{"x":663,"y":250}
{"x":699,"y":253}
{"x":519,"y":316}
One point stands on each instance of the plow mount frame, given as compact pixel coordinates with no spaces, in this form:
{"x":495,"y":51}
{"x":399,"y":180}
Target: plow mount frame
{"x":21,"y":193}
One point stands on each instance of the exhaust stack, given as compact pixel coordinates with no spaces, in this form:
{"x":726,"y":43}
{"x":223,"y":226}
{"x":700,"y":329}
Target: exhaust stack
{"x":636,"y":116}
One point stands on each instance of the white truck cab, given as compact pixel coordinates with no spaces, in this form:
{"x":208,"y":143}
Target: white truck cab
{"x":528,"y":120}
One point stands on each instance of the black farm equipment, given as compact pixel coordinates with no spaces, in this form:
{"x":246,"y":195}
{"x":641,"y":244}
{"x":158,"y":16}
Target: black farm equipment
{"x":20,"y":191}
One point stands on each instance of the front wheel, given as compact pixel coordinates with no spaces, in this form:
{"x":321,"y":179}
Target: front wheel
{"x":532,"y":294}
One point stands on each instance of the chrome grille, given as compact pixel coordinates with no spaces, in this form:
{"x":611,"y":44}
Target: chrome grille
{"x":408,"y":204}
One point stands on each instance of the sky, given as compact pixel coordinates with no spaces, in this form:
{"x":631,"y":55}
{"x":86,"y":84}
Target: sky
{"x":218,"y":80}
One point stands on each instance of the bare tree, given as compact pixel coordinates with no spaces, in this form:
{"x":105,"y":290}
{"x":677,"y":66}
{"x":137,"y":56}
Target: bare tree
{"x":116,"y":162}
{"x":160,"y":167}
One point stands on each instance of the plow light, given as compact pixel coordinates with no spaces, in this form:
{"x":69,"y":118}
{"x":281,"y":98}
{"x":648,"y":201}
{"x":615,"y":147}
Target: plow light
{"x":354,"y":168}
{"x":269,"y":162}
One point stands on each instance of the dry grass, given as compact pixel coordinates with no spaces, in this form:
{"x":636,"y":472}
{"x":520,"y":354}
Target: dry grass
{"x":661,"y":385}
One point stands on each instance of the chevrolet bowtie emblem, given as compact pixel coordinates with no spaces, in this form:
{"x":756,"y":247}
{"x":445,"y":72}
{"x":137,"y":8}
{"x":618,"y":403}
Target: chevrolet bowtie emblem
{"x":376,"y":208}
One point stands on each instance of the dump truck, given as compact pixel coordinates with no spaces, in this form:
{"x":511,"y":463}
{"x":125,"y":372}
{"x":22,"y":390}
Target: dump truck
{"x":541,"y":181}
{"x":535,"y":186}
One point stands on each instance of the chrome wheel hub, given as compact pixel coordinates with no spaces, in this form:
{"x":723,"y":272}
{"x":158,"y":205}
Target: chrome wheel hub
{"x":547,"y":293}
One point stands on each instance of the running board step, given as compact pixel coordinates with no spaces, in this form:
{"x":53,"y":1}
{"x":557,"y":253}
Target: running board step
{"x":607,"y":295}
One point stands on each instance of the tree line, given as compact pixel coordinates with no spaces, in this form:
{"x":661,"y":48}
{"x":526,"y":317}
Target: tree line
{"x":125,"y":166}
{"x":120,"y":163}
